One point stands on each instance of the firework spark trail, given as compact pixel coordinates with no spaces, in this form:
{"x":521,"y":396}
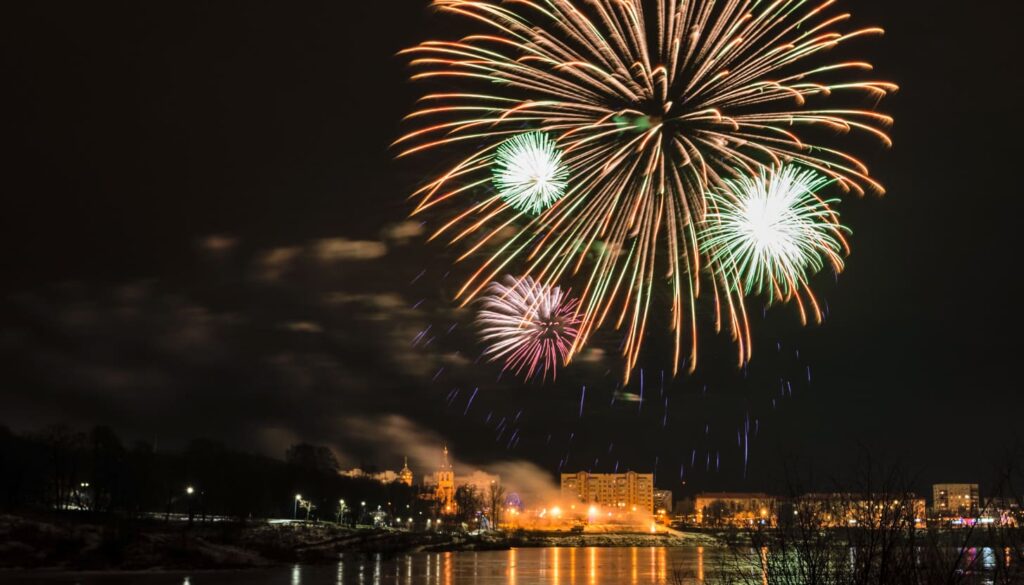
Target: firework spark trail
{"x":746,"y":445}
{"x":528,"y":325}
{"x":583,"y":396}
{"x":652,"y":105}
{"x":640,"y":403}
{"x":470,"y":401}
{"x":419,"y":336}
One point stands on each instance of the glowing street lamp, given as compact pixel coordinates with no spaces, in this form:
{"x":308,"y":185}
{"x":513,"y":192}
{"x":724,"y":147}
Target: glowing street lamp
{"x":295,"y":513}
{"x":341,"y":510}
{"x":189,"y":491}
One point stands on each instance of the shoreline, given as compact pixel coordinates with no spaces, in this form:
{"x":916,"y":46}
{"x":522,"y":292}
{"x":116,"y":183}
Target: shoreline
{"x":124,"y":547}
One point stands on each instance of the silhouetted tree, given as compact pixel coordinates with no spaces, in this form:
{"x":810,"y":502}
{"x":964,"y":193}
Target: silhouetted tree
{"x":312,"y":458}
{"x":495,"y":503}
{"x":468,"y":502}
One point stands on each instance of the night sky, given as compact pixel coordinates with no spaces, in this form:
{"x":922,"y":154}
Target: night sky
{"x":205,"y":235}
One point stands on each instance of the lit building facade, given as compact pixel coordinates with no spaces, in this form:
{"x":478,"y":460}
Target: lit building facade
{"x":386,"y":476}
{"x":735,"y":509}
{"x":955,"y":500}
{"x":440,"y":486}
{"x":662,"y":502}
{"x":838,"y":510}
{"x":444,"y":485}
{"x":629,"y":492}
{"x":404,"y":476}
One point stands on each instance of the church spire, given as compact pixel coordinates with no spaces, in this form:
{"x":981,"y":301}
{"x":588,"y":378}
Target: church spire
{"x":406,"y":474}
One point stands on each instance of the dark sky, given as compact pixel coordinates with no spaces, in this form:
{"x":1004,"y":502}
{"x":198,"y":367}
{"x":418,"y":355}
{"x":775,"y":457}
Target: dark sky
{"x":204,"y":234}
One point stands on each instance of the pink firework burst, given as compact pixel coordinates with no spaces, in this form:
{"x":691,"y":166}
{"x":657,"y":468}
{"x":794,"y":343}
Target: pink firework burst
{"x":529,"y":325}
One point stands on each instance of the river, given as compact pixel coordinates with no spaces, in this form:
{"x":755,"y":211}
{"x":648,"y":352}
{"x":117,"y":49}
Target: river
{"x":527,"y":566}
{"x":524,"y":566}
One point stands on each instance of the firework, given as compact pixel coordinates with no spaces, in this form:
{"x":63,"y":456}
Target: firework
{"x":528,"y":325}
{"x":529,"y":173}
{"x":653,"y":104}
{"x":769,"y":233}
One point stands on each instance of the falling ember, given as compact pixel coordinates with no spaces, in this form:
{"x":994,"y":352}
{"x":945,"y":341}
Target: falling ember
{"x":470,"y":402}
{"x":528,"y":325}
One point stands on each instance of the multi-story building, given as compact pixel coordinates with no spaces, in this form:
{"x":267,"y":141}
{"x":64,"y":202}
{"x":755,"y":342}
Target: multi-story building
{"x":629,"y":492}
{"x":734,"y":509}
{"x":955,"y":500}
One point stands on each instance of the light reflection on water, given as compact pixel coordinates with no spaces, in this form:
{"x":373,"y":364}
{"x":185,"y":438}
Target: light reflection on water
{"x":530,"y":566}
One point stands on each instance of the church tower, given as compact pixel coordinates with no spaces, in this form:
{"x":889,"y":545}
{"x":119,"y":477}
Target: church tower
{"x":405,"y":476}
{"x":445,"y":480}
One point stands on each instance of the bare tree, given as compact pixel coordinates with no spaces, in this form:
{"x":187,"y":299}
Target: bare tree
{"x":495,"y":503}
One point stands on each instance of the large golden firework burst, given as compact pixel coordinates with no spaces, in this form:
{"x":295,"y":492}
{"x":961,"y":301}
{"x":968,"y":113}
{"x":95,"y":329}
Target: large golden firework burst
{"x":654,"y":104}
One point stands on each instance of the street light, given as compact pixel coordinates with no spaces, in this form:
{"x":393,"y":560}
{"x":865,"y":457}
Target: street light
{"x":295,"y":513}
{"x":189,"y":490}
{"x":341,"y":510}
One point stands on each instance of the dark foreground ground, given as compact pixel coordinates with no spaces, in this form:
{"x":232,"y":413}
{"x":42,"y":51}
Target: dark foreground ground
{"x":149,"y":544}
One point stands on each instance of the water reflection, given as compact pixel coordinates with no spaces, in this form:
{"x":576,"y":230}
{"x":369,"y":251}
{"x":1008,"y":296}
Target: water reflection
{"x":700,"y":564}
{"x":550,"y":566}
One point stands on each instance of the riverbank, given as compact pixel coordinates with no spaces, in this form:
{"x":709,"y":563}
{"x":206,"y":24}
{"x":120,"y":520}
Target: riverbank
{"x":138,"y":545}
